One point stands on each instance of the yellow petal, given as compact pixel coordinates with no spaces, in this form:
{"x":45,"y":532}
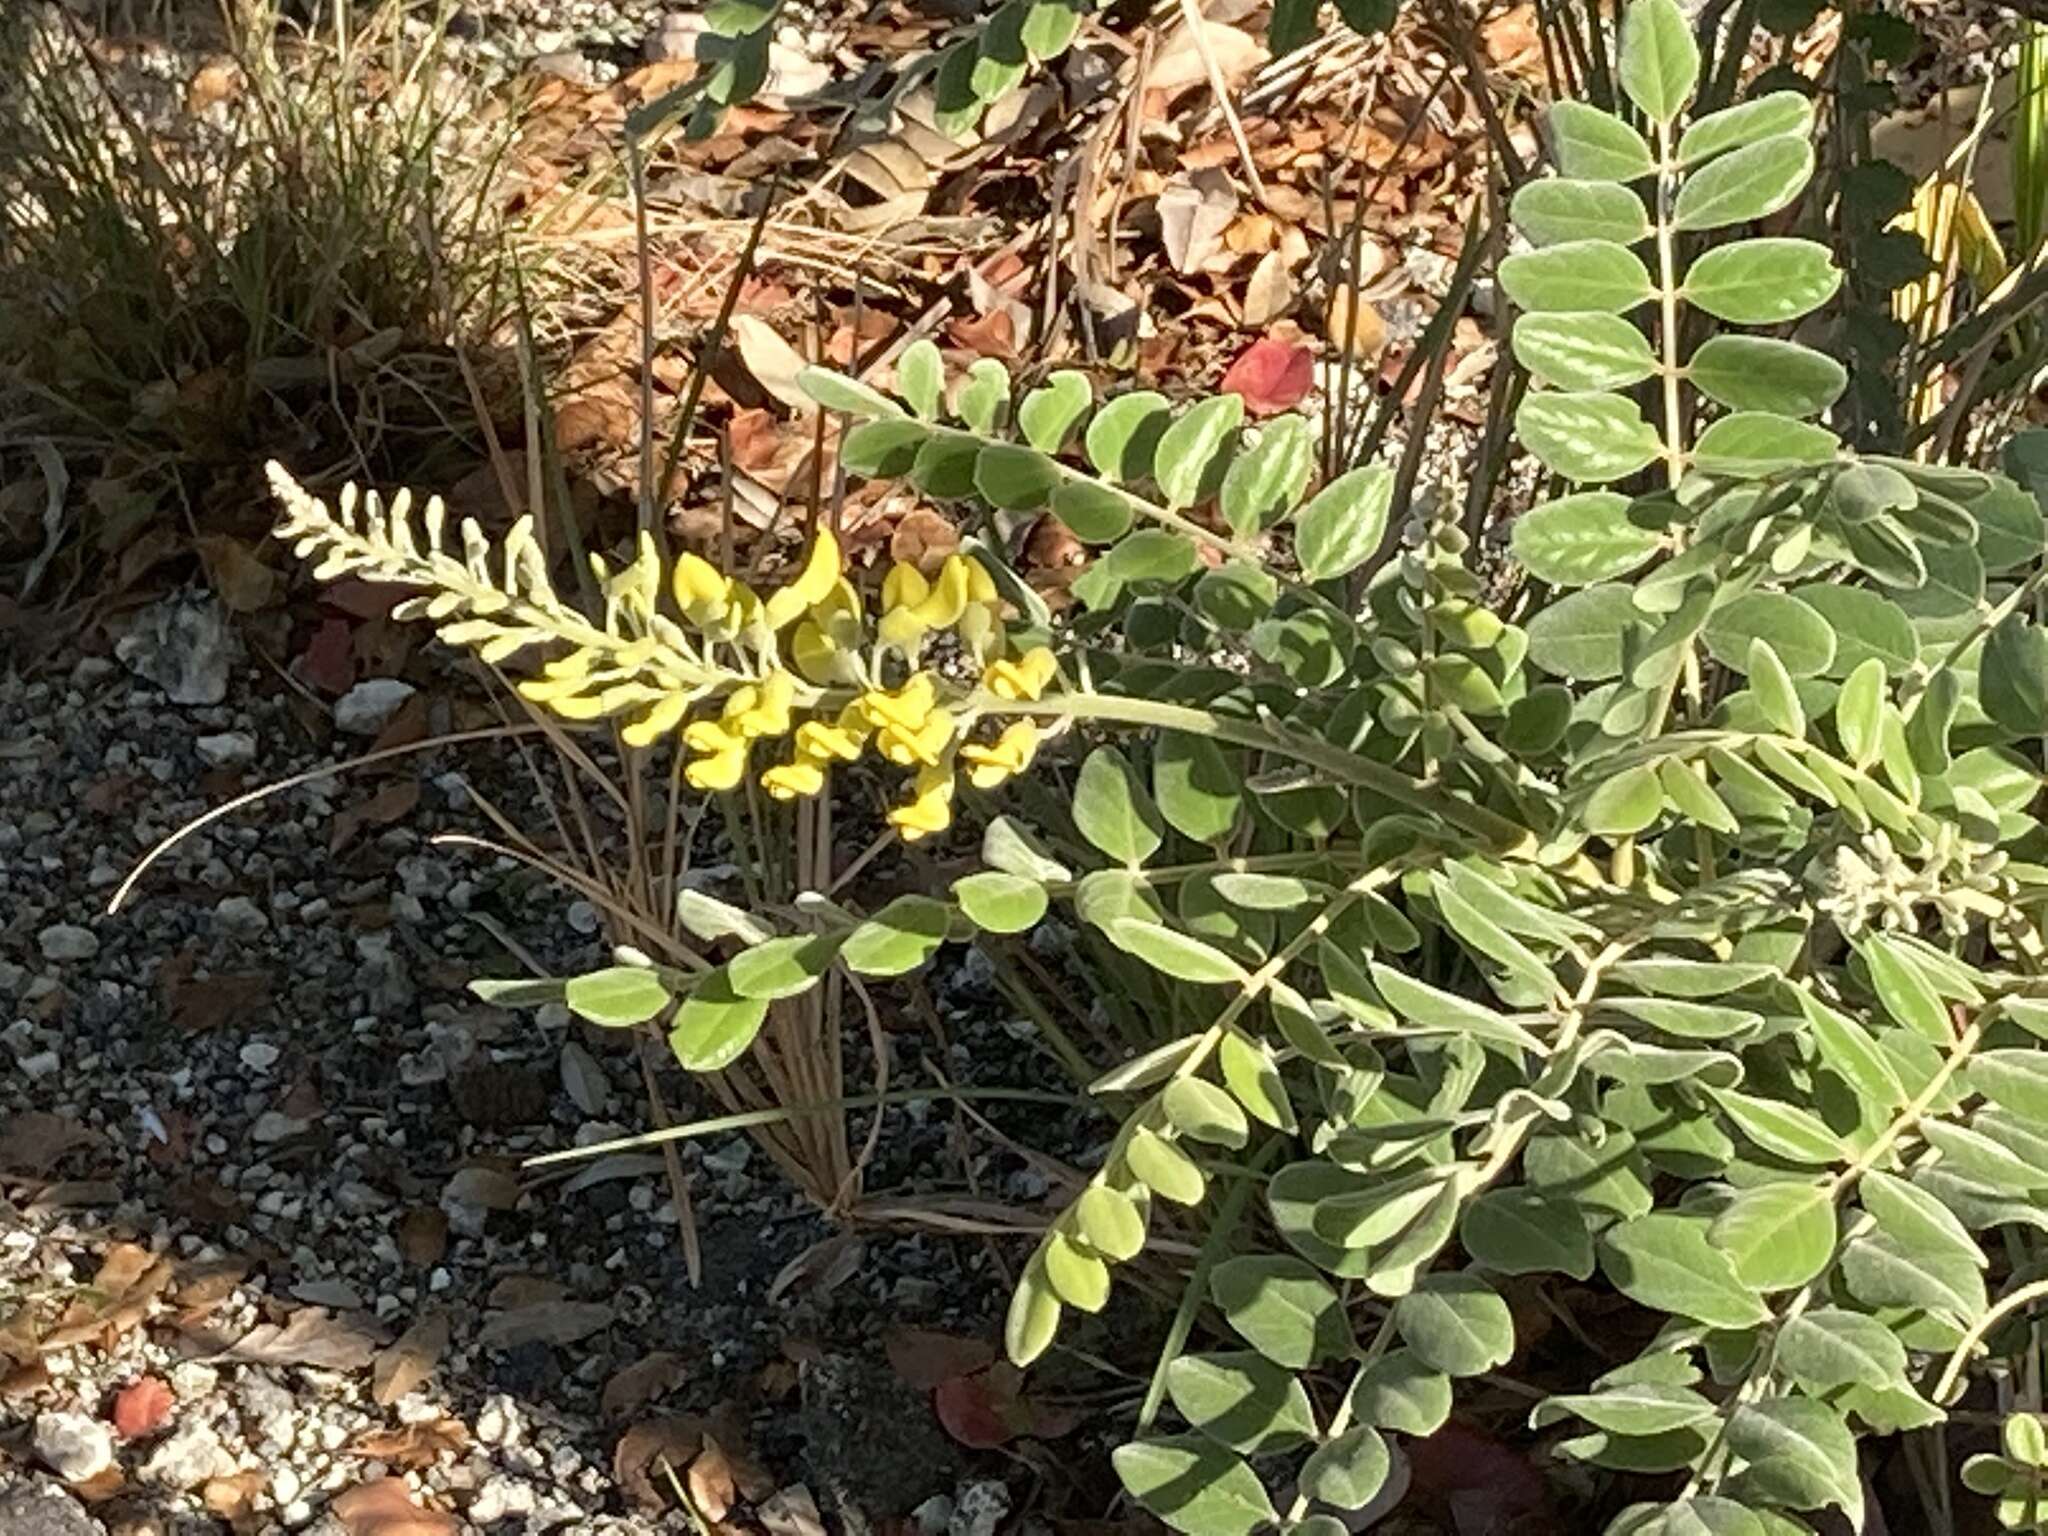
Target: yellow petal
{"x":904,"y":587}
{"x":981,"y":587}
{"x":822,"y":742}
{"x":788,"y":781}
{"x":711,"y":737}
{"x":699,"y":588}
{"x":717,"y":770}
{"x":812,"y":584}
{"x":902,"y":630}
{"x":930,"y":808}
{"x":948,"y":597}
{"x":664,"y":717}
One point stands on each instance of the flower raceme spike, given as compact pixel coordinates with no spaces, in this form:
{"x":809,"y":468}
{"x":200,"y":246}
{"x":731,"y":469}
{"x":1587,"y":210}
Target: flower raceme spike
{"x":693,"y":654}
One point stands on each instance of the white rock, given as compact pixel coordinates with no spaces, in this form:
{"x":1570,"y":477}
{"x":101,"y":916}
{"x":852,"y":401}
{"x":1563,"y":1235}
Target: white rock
{"x":226,"y":749}
{"x":285,"y":1485}
{"x":192,"y":1455}
{"x":73,"y":1446}
{"x":497,"y":1422}
{"x":185,"y":648}
{"x":272,"y":1125}
{"x":501,"y":1496}
{"x":365,"y":708}
{"x":979,"y":1508}
{"x":41,"y":1065}
{"x":259,"y":1055}
{"x":68,"y":941}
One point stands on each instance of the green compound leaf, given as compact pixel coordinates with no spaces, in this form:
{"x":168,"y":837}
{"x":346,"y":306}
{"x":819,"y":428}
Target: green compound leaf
{"x":1263,"y":484}
{"x":1797,"y":1454}
{"x":1659,"y":61}
{"x":617,"y":996}
{"x":1583,"y":351}
{"x":1349,"y":1471}
{"x":1048,"y":415}
{"x":1345,"y":523}
{"x":1123,"y":437}
{"x":1049,"y":28}
{"x":1589,"y":143}
{"x":1829,"y":1347}
{"x":1777,"y":1235}
{"x":1520,"y":1231}
{"x":1243,"y":1400}
{"x":1561,"y":208}
{"x":1593,"y":275}
{"x":883,"y":448}
{"x":784,"y":967}
{"x":1112,"y":810}
{"x":921,"y":378}
{"x":1282,"y":1308}
{"x":1200,"y":790}
{"x":1194,"y":1485}
{"x":1752,"y":445}
{"x":837,"y":392}
{"x":714,"y":1025}
{"x":1665,"y":1260}
{"x":1190,"y":449}
{"x":1801,"y":639}
{"x":984,"y":400}
{"x":1033,"y":1318}
{"x":1587,"y":436}
{"x":1456,"y":1323}
{"x":1580,"y":636}
{"x":897,"y":939}
{"x":1013,"y":478}
{"x":1764,"y":281}
{"x":1109,"y":1221}
{"x":1175,"y":954}
{"x":1778,"y":114}
{"x":1205,"y":1113}
{"x":1750,"y":183}
{"x":1398,"y":1392}
{"x":996,"y":902}
{"x":1760,"y":373}
{"x":1164,"y":1169}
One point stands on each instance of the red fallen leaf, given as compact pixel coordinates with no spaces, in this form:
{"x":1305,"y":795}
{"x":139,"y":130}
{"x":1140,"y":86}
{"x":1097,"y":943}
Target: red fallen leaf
{"x":986,"y":1410}
{"x":329,"y":663}
{"x":1271,"y":375}
{"x":141,"y":1407}
{"x":967,"y":1406}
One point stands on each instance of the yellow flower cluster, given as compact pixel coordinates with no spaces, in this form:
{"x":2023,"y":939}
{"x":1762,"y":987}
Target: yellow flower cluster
{"x":711,"y":660}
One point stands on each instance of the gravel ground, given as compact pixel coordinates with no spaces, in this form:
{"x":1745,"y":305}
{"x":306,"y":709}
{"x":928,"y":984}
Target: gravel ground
{"x":265,"y":1070}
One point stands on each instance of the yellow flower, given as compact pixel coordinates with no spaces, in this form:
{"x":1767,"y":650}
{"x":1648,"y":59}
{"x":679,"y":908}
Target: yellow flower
{"x":827,"y":743}
{"x":700,"y":589}
{"x":760,"y":709}
{"x":664,"y":717}
{"x":822,"y":642}
{"x":909,"y":727}
{"x":812,"y":585}
{"x":786,"y":781}
{"x":722,"y":756}
{"x":947,"y":600}
{"x":1024,"y":678}
{"x":930,"y":808}
{"x":1008,"y":754}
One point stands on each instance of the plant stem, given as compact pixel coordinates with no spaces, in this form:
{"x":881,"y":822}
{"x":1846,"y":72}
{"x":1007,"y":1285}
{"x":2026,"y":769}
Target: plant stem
{"x":1509,"y":838}
{"x":1667,"y":298}
{"x":2026,"y":1295}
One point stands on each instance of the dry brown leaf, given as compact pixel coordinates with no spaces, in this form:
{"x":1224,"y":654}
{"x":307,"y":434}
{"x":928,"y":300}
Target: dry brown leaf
{"x":1268,"y":292}
{"x":385,"y":1507}
{"x":526,"y":1291}
{"x":1179,"y":65}
{"x":710,"y":1481}
{"x":394,"y":802}
{"x":311,"y":1336}
{"x":423,"y":1236}
{"x":923,"y":538}
{"x":1366,"y":334}
{"x":640,"y":1383}
{"x":584,"y":1080}
{"x":244,"y":583}
{"x":119,"y":1298}
{"x":773,"y":362}
{"x":234,"y":1500}
{"x":648,"y":1451}
{"x":200,"y":1003}
{"x":32,"y":1142}
{"x":924,"y":1357}
{"x":25,"y":1380}
{"x":415,"y":1445}
{"x":203,"y":1287}
{"x":549,"y":1322}
{"x":408,"y":1363}
{"x":1193,"y":213}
